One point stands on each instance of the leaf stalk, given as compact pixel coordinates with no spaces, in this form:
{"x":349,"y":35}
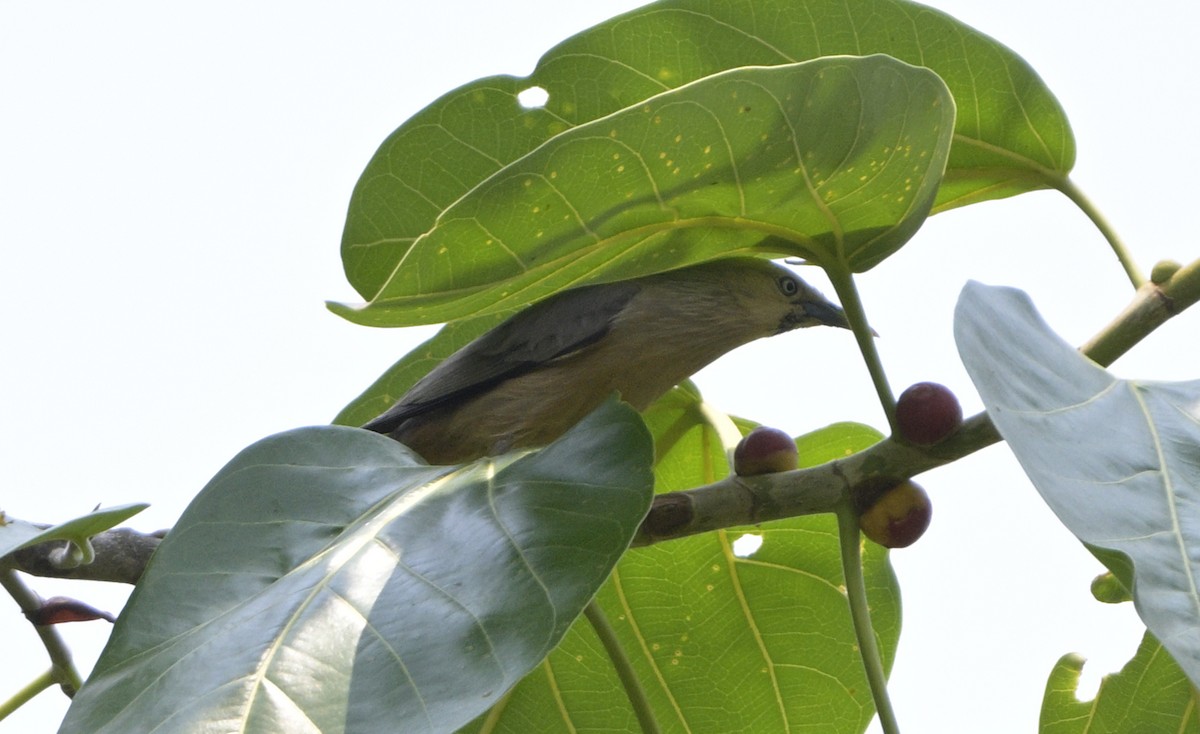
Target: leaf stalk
{"x":624,"y":668}
{"x":860,"y":614}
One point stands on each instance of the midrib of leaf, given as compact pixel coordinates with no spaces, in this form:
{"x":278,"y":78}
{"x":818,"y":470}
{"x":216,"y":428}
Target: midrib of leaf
{"x":358,"y":539}
{"x":490,"y":476}
{"x":1187,"y":713}
{"x":496,"y":713}
{"x":1027,"y":164}
{"x":1169,"y":496}
{"x":557,"y":695}
{"x":621,"y":244}
{"x":752,"y":624}
{"x":628,"y":612}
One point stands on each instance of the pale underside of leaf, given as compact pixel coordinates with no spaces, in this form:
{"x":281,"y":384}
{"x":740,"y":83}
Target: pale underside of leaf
{"x":1117,"y":460}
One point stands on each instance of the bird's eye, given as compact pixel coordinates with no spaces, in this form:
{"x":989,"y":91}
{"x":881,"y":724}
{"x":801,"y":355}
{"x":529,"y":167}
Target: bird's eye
{"x":788,"y":286}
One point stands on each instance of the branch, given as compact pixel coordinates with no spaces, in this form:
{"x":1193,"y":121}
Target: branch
{"x":738,"y":500}
{"x":121,"y":556}
{"x":62,"y":668}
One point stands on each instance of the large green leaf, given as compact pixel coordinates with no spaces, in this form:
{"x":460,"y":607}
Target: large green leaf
{"x":835,"y":160}
{"x":723,"y":640}
{"x":1011,"y":134}
{"x":1150,"y":694}
{"x":326,"y":580}
{"x":1117,"y":460}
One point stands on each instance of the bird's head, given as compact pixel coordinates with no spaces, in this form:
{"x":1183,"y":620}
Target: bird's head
{"x":752,"y":295}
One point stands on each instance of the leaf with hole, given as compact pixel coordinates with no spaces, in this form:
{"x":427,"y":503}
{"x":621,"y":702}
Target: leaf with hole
{"x":1010,"y":136}
{"x":1150,"y":694}
{"x":836,"y":160}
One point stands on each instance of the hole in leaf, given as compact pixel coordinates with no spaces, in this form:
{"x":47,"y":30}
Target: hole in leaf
{"x":747,"y":545}
{"x":533,"y":97}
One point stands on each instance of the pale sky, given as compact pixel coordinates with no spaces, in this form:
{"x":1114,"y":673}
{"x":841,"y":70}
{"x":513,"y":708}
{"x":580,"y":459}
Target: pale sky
{"x":173,"y":185}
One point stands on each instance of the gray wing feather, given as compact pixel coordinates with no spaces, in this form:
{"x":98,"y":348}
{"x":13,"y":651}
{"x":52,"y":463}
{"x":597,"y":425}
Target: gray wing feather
{"x":547,"y":330}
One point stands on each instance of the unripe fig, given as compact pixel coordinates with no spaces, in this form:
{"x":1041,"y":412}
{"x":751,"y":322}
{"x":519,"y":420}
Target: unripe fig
{"x":926,"y":413}
{"x":1163,"y":270}
{"x":765,"y":451}
{"x":898,"y":517}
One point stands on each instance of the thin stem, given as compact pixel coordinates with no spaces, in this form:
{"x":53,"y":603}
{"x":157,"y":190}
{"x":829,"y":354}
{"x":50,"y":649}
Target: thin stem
{"x":26,"y":694}
{"x":727,"y":430}
{"x":62,"y":667}
{"x":616,"y":652}
{"x":843,"y":283}
{"x":1073,"y":192}
{"x":860,"y":614}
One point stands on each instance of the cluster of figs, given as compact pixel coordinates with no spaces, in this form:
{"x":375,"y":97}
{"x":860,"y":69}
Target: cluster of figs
{"x":895,"y":513}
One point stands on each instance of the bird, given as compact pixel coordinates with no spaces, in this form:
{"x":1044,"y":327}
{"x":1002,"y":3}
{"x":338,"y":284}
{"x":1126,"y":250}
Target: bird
{"x":534,"y":376}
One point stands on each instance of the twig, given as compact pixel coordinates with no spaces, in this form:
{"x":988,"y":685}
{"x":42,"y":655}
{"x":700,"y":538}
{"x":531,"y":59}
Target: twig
{"x":62,"y":667}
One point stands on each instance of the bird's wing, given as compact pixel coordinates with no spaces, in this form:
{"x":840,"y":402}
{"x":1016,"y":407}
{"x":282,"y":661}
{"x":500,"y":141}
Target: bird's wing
{"x":553,"y":328}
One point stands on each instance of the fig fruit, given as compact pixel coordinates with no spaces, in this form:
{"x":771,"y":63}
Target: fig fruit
{"x":927,"y":413}
{"x":898,"y":517}
{"x":764,"y":451}
{"x":1163,"y":270}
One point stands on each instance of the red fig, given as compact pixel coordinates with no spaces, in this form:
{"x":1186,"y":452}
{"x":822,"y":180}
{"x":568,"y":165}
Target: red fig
{"x":927,"y":413}
{"x":898,"y":517}
{"x":765,"y":451}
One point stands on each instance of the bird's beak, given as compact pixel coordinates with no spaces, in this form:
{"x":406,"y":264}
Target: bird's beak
{"x":826,"y":314}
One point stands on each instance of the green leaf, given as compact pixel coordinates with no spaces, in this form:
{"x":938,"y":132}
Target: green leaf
{"x":1010,"y":135}
{"x":1117,"y":460}
{"x":1150,"y":694}
{"x":721,"y":641}
{"x":326,"y":580}
{"x":16,"y":534}
{"x":835,"y":160}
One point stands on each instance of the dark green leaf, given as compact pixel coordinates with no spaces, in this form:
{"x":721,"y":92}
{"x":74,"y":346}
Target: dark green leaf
{"x":1117,"y":460}
{"x":835,"y":160}
{"x":326,"y":580}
